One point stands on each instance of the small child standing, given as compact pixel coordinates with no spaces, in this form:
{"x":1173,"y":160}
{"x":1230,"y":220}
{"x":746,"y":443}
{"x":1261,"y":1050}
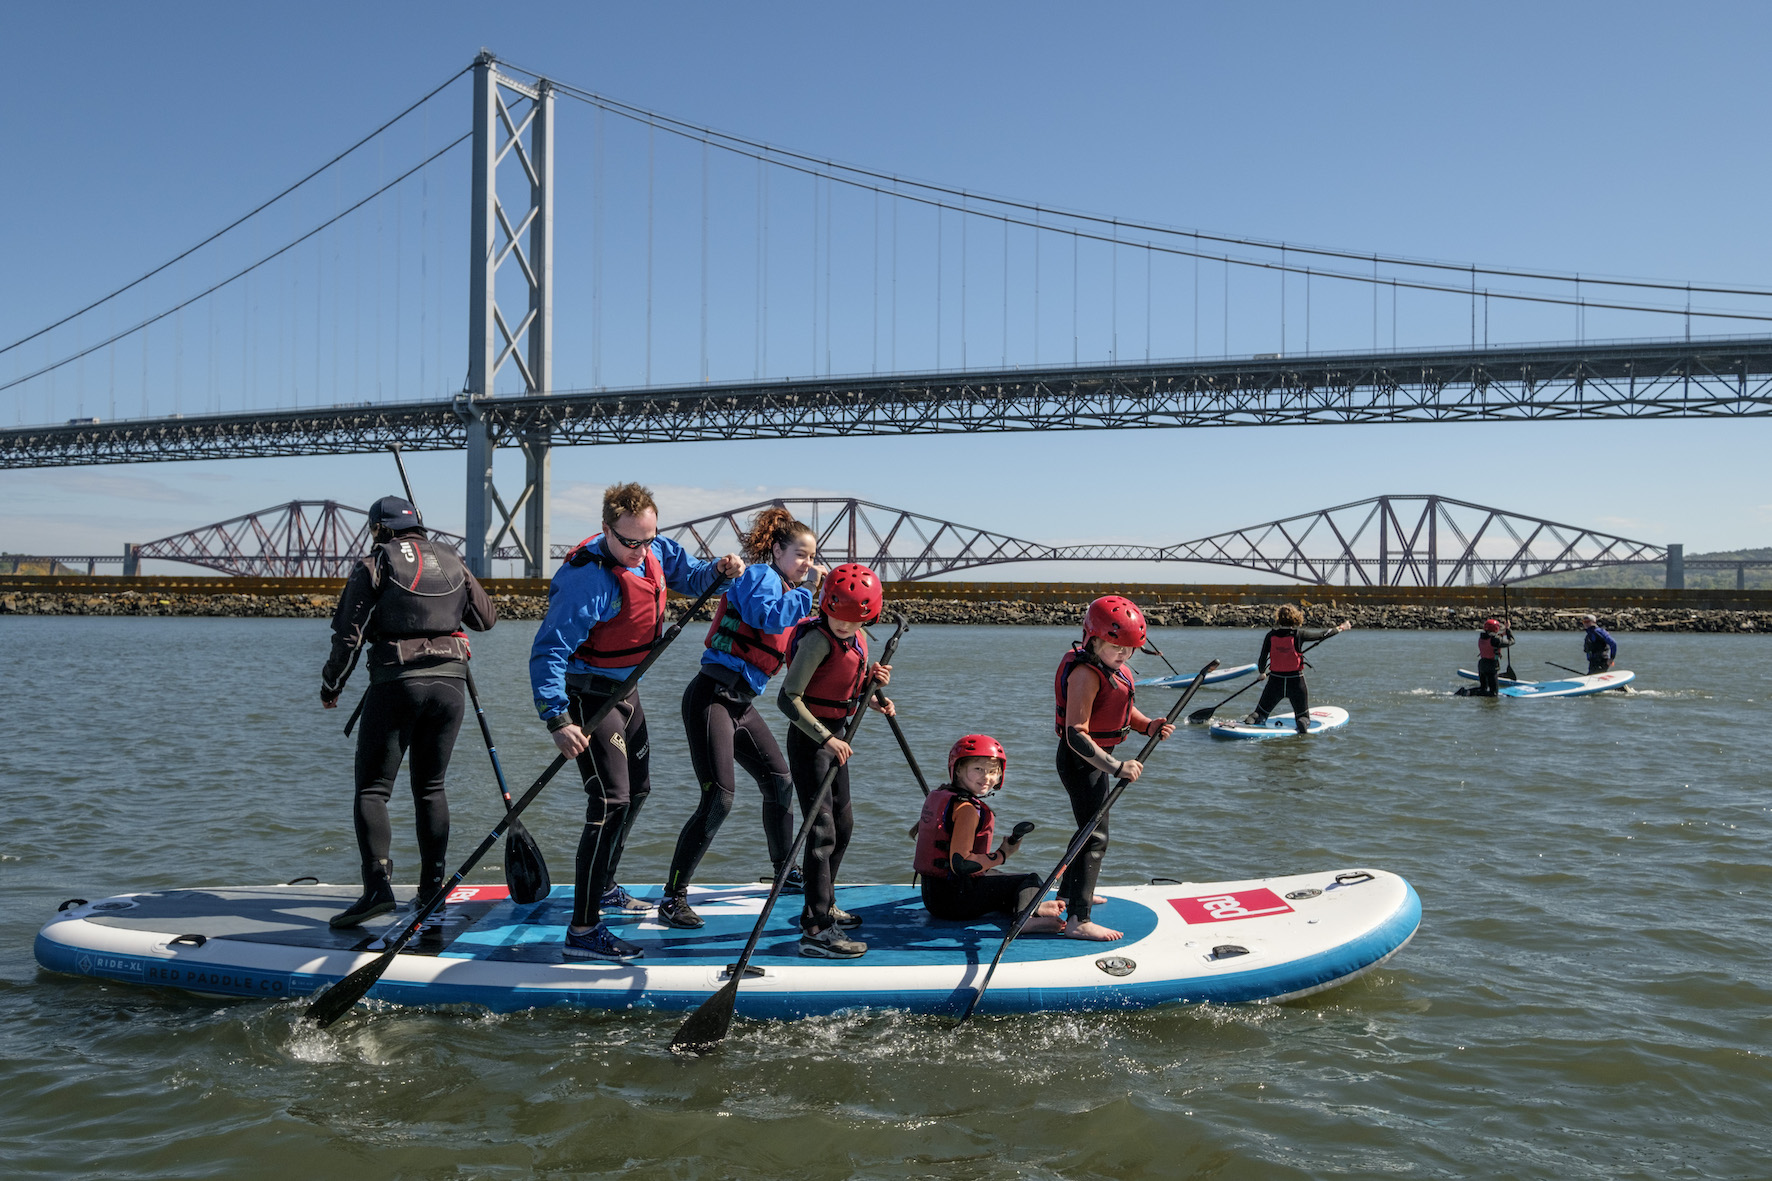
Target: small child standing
{"x":1490,"y":641}
{"x":1095,"y":713}
{"x":1282,"y":663}
{"x":954,"y":852}
{"x":828,"y":679}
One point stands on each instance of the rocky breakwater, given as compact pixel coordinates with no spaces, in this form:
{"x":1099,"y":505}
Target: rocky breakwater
{"x":954,"y":611}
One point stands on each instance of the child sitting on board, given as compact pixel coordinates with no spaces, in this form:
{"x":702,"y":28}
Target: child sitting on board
{"x":961,"y":880}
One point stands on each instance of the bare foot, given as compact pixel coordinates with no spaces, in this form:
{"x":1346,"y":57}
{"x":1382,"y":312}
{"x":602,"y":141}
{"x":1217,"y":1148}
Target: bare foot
{"x":1049,"y":910}
{"x":1089,"y":930}
{"x":1043,"y":924}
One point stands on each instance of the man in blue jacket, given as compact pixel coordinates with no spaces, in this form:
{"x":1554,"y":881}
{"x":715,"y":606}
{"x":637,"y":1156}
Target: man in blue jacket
{"x":1598,"y":645}
{"x":606,"y":607}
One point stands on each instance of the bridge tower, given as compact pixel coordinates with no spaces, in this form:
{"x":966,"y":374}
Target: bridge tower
{"x":525,"y":116}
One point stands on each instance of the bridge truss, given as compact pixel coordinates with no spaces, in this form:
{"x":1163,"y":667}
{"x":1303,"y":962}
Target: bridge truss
{"x":301,"y":539}
{"x":1718,"y":378}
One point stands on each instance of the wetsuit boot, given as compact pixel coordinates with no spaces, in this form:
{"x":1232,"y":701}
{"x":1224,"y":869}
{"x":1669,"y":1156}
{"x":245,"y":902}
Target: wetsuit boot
{"x":429,"y":883}
{"x":378,"y":895}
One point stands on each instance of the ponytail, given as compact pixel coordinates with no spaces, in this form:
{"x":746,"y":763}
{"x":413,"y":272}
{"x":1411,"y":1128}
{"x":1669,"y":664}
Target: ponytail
{"x":771,"y":527}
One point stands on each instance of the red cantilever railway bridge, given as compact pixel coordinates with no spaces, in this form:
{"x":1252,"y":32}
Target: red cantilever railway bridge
{"x":1398,"y":540}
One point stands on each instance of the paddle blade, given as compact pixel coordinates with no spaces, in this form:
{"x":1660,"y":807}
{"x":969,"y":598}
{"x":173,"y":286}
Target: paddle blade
{"x":526,"y":873}
{"x":1202,"y":715}
{"x":705,"y":1029}
{"x":336,"y":1001}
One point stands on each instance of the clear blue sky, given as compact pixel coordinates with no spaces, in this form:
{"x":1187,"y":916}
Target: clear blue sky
{"x":1613,"y":138}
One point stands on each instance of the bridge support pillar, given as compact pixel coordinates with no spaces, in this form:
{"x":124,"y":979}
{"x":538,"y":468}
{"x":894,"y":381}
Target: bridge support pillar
{"x":132,"y":559}
{"x":526,"y":116}
{"x":1676,"y":567}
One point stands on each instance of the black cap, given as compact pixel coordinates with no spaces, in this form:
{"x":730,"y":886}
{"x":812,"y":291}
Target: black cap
{"x":393,"y":514}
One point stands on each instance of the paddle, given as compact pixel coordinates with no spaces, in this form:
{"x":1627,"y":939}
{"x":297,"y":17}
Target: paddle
{"x":1566,"y":668}
{"x":1201,"y":715}
{"x":526,"y":872}
{"x":1507,"y":614}
{"x":1081,"y":839}
{"x":336,"y":1001}
{"x":705,"y":1028}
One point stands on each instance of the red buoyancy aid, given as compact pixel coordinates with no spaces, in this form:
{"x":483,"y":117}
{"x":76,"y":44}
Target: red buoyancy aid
{"x":835,"y":688}
{"x":624,"y":641}
{"x":1486,"y":649}
{"x":1110,"y":719}
{"x":729,"y":633}
{"x":1283,"y":655}
{"x":936,"y":830}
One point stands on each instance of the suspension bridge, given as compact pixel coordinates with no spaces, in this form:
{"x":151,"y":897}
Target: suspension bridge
{"x":721,"y":288}
{"x":1419,"y":540}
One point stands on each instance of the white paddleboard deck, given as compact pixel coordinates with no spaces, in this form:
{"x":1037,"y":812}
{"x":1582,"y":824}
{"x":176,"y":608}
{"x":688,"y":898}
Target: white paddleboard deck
{"x":1574,"y":686}
{"x":1264,"y":939}
{"x":1322,"y":717}
{"x":1182,"y":680}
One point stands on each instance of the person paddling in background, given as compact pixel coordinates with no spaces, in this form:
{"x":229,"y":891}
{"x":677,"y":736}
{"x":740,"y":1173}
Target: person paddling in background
{"x":1598,"y":646}
{"x":746,"y":645}
{"x":961,"y":878}
{"x":828,"y":679}
{"x":606,"y":607}
{"x":1282,"y":663}
{"x":1494,"y":637}
{"x":1095,"y":713}
{"x":406,"y":601}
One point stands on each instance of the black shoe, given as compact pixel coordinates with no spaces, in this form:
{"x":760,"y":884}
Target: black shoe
{"x":831,"y":944}
{"x":795,"y":882}
{"x":844,"y":919}
{"x":377,"y":899}
{"x":675,"y":911}
{"x":599,"y":944}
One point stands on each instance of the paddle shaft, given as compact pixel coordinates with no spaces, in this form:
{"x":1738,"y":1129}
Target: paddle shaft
{"x":337,"y":1000}
{"x":718,"y":1007}
{"x":1081,"y":839}
{"x":1507,"y":616}
{"x":1200,"y":715}
{"x":905,"y":746}
{"x":486,"y":733}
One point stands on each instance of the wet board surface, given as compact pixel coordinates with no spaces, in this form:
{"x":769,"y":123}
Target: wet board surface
{"x":1183,"y":680}
{"x":1581,"y":686}
{"x":1322,"y":717}
{"x":1288,"y":936}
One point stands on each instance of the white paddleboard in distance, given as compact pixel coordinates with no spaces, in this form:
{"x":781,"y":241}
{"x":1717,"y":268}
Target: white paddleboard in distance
{"x":1322,"y":717}
{"x":1183,"y":680}
{"x":1468,"y":675}
{"x":1571,"y":686}
{"x":1263,"y":939}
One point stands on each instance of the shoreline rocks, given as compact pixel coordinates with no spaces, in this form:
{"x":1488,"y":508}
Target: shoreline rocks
{"x":1005,"y":612}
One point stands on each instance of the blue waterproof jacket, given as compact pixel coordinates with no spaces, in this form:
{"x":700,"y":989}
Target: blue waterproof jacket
{"x":581,"y":597}
{"x":1598,"y":638}
{"x":763,"y":602}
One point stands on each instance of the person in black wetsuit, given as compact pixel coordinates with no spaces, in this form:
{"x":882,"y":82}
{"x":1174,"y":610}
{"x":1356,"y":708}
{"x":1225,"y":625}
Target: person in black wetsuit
{"x":1282,"y":663}
{"x":1598,"y":646}
{"x":405,"y":602}
{"x":1494,"y":637}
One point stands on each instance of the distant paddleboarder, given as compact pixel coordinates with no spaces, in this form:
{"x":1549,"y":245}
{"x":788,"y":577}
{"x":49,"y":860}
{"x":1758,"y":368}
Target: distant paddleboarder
{"x":1282,"y":663}
{"x":1494,"y":637}
{"x":406,"y":601}
{"x":1598,"y":645}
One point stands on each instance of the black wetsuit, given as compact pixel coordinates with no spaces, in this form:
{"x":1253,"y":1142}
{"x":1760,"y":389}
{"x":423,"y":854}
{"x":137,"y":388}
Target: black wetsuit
{"x":1489,"y":667}
{"x":1291,"y":685}
{"x":405,"y":603}
{"x":828,"y":838}
{"x":723,"y":728}
{"x":1088,"y":788}
{"x":973,"y":895}
{"x":617,"y":771}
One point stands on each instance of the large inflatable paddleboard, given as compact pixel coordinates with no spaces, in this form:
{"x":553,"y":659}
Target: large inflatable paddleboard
{"x":1581,"y":686}
{"x":1182,"y":680}
{"x":1322,"y":717}
{"x":1259,"y":940}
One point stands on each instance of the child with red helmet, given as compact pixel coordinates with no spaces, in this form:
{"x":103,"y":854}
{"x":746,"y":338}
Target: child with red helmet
{"x":828,"y":679}
{"x":1495,"y":636}
{"x":1281,"y":661}
{"x":954,"y":854}
{"x":1095,"y":713}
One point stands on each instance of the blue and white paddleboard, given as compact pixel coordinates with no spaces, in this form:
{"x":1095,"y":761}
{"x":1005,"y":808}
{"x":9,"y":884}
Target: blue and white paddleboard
{"x":1468,"y":675}
{"x":1264,"y":939}
{"x":1322,"y":717}
{"x":1182,"y":680}
{"x":1618,"y":678}
{"x":1578,"y":686}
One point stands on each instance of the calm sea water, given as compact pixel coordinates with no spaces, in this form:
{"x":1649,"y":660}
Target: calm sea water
{"x":1588,"y":995}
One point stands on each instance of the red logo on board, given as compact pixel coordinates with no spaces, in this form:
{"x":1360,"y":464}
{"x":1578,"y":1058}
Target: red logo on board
{"x":1221,"y":908}
{"x":478,"y":894}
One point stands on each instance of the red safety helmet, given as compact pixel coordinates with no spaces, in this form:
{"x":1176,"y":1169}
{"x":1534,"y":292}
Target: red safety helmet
{"x":851,"y":592}
{"x":1117,"y":620}
{"x":1492,"y":625}
{"x":977,"y":746}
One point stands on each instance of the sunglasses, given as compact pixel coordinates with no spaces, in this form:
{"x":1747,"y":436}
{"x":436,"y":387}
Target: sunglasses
{"x":631,"y":544}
